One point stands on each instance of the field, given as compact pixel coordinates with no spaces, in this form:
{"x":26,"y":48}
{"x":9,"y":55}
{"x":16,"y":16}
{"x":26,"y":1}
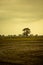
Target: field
{"x":21,"y":52}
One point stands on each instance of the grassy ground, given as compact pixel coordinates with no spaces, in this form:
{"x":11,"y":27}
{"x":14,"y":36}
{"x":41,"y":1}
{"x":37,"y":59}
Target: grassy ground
{"x":21,"y":53}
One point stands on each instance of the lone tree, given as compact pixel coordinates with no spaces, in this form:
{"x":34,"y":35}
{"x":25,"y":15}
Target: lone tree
{"x":26,"y":31}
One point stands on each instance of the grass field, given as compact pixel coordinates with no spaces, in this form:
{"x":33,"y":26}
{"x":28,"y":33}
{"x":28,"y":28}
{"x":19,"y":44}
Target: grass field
{"x":21,"y":53}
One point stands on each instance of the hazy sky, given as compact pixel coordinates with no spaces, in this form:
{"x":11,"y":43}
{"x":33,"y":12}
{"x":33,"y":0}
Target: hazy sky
{"x":18,"y":14}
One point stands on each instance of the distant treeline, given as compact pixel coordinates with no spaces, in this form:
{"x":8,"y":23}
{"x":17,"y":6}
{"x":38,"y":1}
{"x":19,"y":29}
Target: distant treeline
{"x":15,"y":36}
{"x":23,"y":38}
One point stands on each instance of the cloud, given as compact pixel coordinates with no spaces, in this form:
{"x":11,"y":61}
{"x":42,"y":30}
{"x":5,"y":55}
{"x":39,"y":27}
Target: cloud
{"x":29,"y":9}
{"x":20,"y":13}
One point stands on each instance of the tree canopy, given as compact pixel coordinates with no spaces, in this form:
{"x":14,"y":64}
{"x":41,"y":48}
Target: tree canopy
{"x":26,"y":31}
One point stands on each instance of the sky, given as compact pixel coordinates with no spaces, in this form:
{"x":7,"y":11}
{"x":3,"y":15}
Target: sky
{"x":18,"y":14}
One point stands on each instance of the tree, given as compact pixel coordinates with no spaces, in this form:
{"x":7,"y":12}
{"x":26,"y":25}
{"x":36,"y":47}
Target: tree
{"x":20,"y":35}
{"x":26,"y":31}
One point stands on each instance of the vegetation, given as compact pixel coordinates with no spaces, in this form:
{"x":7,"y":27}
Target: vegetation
{"x":25,"y":36}
{"x":26,"y":32}
{"x":24,"y":49}
{"x":21,"y":52}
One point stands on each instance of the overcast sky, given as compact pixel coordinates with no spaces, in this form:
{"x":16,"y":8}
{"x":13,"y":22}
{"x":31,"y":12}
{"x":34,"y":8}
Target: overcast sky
{"x":18,"y":14}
